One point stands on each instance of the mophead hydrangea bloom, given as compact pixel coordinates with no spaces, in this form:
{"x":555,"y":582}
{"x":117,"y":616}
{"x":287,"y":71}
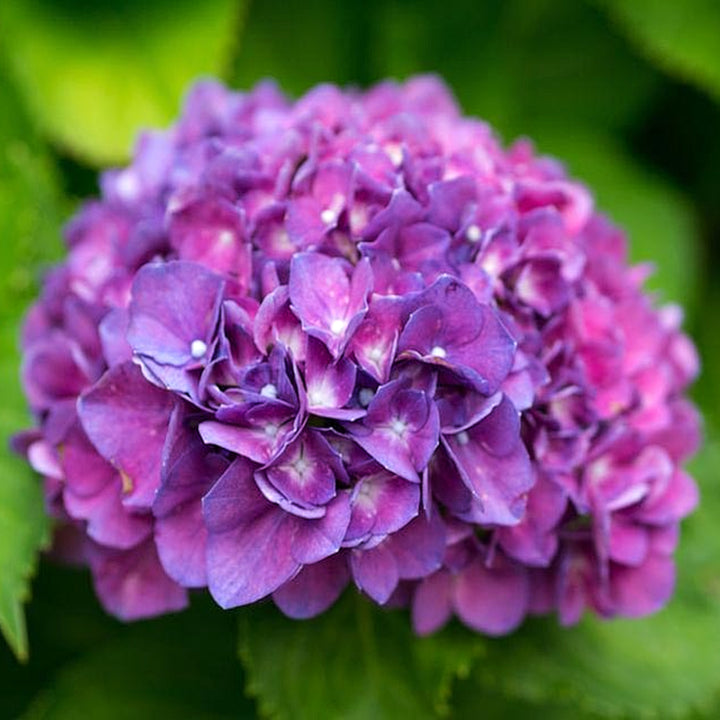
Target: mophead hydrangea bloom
{"x":352,"y":340}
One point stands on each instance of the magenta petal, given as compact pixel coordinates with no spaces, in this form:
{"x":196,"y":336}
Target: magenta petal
{"x":132,"y":584}
{"x":375,"y":341}
{"x":329,"y":386}
{"x":108,"y":522}
{"x":314,"y":589}
{"x":639,"y":591}
{"x":126,"y":419}
{"x":628,"y":542}
{"x":432,"y":602}
{"x":375,"y":572}
{"x":211,"y":231}
{"x":679,"y":499}
{"x":491,"y":600}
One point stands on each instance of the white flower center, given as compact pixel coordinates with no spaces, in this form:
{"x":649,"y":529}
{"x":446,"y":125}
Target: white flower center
{"x":197,"y":349}
{"x":438,"y":352}
{"x":473,"y":233}
{"x":328,"y":216}
{"x":365,"y":396}
{"x":463,"y":438}
{"x":226,"y":237}
{"x":398,"y":426}
{"x":337,"y":326}
{"x":269,"y":391}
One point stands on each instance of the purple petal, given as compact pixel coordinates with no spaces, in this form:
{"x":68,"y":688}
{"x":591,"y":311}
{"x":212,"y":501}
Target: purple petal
{"x":305,"y":472}
{"x":640,"y":591}
{"x":375,"y":572}
{"x":432,"y":602}
{"x":113,"y":330}
{"x":458,"y":333}
{"x":494,"y":464}
{"x":382,"y":504}
{"x":329,"y":386}
{"x":234,"y":499}
{"x":174,"y":312}
{"x":314,"y":589}
{"x":317,"y":539}
{"x":253,"y":556}
{"x":329,"y":304}
{"x":211,"y":232}
{"x":491,"y":600}
{"x":181,"y":540}
{"x":108,"y":522}
{"x":401,"y":429}
{"x":126,"y":419}
{"x":375,"y":341}
{"x":419,"y":547}
{"x":275,"y":323}
{"x":132,"y":585}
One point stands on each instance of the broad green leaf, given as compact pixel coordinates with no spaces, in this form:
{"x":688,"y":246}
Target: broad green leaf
{"x":663,"y":666}
{"x":300,"y":44}
{"x":94,"y":74}
{"x":681,"y":37}
{"x":181,"y":666}
{"x":516,"y":63}
{"x":657,"y":217}
{"x":28,"y":235}
{"x":356,"y":661}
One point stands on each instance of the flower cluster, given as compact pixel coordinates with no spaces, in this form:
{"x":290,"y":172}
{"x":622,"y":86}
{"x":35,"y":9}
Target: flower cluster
{"x":352,"y":339}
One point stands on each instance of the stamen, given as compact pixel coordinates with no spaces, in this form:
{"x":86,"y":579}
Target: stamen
{"x":269,"y":391}
{"x":473,"y":233}
{"x":198,"y":349}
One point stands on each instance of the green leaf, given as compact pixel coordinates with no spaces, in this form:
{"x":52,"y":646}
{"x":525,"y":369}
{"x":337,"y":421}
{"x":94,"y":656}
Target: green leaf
{"x":659,"y":667}
{"x":28,"y":234}
{"x":355,"y":661}
{"x":181,"y":666}
{"x":682,"y":38}
{"x":94,"y":74}
{"x":516,"y":63}
{"x":657,"y":217}
{"x":304,"y":44}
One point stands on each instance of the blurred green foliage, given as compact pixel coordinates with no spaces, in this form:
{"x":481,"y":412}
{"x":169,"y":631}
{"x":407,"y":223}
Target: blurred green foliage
{"x":626,"y":93}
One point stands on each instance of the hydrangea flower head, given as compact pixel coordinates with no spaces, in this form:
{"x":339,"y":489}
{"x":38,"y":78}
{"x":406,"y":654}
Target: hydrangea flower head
{"x":352,"y":340}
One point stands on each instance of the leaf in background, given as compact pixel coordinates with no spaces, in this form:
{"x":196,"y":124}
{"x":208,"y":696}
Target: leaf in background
{"x":180,"y":666}
{"x":657,"y":217}
{"x":305,"y":44}
{"x":94,"y":74}
{"x":682,"y":38}
{"x":29,"y":218}
{"x":355,"y":661}
{"x":517,"y":63}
